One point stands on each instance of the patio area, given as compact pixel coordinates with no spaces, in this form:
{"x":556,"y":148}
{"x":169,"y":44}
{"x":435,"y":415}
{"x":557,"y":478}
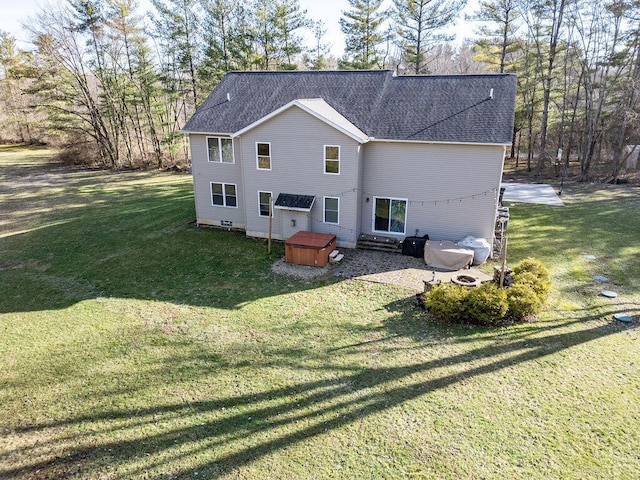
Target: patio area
{"x":379,"y":267}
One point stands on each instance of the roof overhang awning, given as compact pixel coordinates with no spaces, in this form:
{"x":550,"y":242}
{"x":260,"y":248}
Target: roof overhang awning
{"x":292,"y":201}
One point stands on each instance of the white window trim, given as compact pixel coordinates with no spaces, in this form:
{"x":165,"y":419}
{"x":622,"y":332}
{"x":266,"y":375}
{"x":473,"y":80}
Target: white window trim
{"x":324,"y":210}
{"x":373,"y":215}
{"x":271,"y":208}
{"x":270,"y":157}
{"x":233,"y":153}
{"x":224,"y":195}
{"x":324,"y":162}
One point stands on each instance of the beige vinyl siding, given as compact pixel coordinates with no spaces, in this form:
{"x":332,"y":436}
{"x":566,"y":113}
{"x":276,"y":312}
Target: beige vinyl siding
{"x":297,"y":166}
{"x":360,"y":188}
{"x":205,"y":172}
{"x":452,"y":190}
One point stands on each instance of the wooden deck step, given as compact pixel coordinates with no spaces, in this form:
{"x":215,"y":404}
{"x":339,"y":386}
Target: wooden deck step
{"x":377,"y":242}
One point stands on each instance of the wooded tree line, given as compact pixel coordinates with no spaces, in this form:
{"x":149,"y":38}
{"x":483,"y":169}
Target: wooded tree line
{"x":115,"y":85}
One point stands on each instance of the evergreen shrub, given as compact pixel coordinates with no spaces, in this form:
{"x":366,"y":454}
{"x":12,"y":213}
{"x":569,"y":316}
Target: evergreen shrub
{"x":486,"y":304}
{"x":489,"y":304}
{"x":446,"y":302}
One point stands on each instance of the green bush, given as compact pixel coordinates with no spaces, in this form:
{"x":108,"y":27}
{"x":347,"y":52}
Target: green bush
{"x":446,"y":302}
{"x":537,"y":284}
{"x":490,"y":305}
{"x":530,"y":289}
{"x":486,"y":305}
{"x":533,"y":266}
{"x":523,"y":301}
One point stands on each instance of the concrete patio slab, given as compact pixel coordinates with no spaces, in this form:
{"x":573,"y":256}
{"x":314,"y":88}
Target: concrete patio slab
{"x":541,"y":194}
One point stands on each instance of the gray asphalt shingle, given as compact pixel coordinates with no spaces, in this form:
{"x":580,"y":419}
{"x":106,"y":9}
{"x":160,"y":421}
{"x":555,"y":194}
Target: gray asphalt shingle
{"x":451,"y":108}
{"x":292,"y":200}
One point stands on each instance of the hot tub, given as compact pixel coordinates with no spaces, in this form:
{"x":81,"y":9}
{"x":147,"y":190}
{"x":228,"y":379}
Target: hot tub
{"x":309,"y":248}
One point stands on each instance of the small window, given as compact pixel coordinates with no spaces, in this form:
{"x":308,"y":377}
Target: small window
{"x":331,"y":210}
{"x":220,"y":150}
{"x":264,"y":200}
{"x":332,"y":159}
{"x":263,"y":151}
{"x":224,"y":194}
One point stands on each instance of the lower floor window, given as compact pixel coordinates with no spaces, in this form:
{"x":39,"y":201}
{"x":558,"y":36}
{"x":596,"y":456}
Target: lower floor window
{"x":224,"y":194}
{"x":264,"y":200}
{"x":331,"y":210}
{"x":390,"y":215}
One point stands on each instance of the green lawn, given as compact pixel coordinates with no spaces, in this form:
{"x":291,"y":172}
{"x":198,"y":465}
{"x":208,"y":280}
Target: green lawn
{"x":135,"y":345}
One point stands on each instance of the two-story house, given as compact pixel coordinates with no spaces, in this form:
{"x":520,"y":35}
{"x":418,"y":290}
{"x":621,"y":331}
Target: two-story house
{"x":351,"y":152}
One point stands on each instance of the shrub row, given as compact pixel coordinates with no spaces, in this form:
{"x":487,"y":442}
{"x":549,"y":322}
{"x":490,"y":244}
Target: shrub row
{"x":489,"y":304}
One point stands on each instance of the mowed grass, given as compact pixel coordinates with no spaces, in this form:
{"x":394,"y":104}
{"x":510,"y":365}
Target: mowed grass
{"x":136,"y":345}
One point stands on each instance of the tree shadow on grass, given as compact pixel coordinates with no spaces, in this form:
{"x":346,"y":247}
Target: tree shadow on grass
{"x":237,"y":430}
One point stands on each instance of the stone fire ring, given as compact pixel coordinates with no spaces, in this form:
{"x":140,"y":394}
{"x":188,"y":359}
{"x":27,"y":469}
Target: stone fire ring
{"x":466,"y":280}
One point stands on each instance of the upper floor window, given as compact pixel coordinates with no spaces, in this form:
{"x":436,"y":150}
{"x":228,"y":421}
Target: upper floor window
{"x":224,"y":194}
{"x":220,"y":150}
{"x":332,"y":159}
{"x":263,"y":154}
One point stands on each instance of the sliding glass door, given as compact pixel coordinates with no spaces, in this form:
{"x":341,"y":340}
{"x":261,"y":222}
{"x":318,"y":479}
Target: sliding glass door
{"x":390,"y":215}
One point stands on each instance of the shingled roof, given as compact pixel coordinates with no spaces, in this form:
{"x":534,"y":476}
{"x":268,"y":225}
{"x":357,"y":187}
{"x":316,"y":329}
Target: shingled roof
{"x":448,"y":108}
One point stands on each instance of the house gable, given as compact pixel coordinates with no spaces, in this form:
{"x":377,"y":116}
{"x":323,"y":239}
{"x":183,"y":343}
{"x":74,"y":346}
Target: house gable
{"x":318,"y":108}
{"x":298,"y":139}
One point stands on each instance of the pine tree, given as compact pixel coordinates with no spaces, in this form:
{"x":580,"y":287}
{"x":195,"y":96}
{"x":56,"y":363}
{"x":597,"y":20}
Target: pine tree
{"x":89,"y":19}
{"x":289,"y":19}
{"x":127,"y":40}
{"x":361,"y":25}
{"x":276,"y":26}
{"x":265,"y":34}
{"x":498,"y":38}
{"x":177,"y":27}
{"x":218,"y":34}
{"x":546,"y":18}
{"x":417,"y":23}
{"x":317,"y":57}
{"x":16,"y":117}
{"x":151,"y":101}
{"x":177,"y":33}
{"x":243,"y":49}
{"x":65,"y":76}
